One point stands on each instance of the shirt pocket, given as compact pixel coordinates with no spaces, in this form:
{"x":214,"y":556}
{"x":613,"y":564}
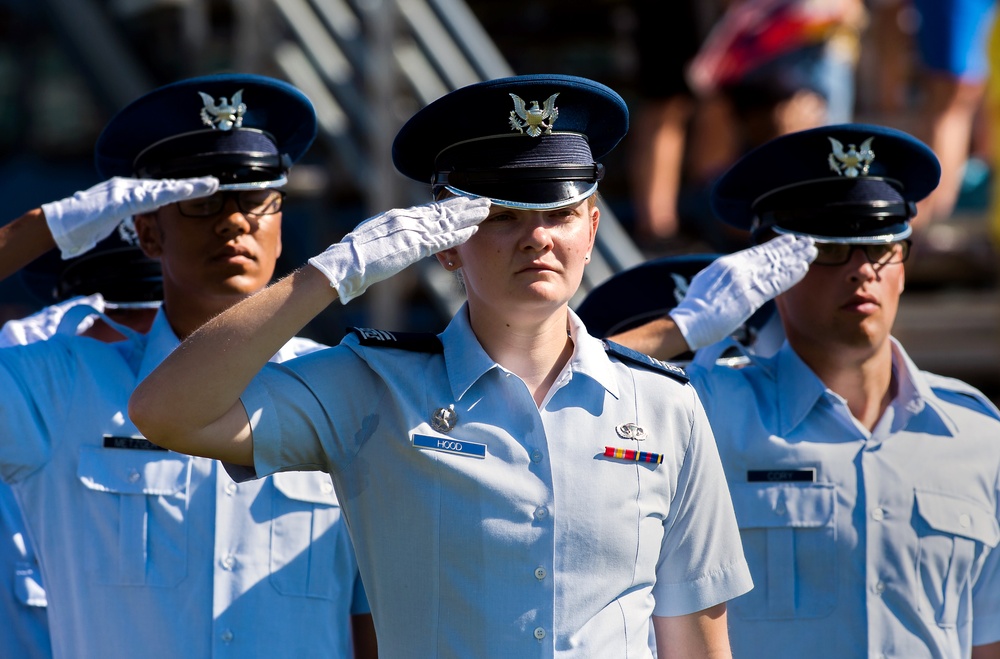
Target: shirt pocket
{"x":137,"y":535}
{"x":789,"y":537}
{"x":307,"y":544}
{"x":952,"y":536}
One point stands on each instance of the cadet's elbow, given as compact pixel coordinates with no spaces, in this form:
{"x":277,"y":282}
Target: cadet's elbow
{"x":146,"y":414}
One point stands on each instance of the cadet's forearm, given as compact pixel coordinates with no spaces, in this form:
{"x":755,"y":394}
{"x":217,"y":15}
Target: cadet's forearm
{"x":22,"y":241}
{"x":190,"y":403}
{"x":703,"y":634}
{"x":659,"y":338}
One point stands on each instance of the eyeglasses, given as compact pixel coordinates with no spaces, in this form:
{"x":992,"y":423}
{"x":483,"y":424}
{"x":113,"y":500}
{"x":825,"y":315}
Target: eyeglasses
{"x":878,"y":255}
{"x":252,"y":203}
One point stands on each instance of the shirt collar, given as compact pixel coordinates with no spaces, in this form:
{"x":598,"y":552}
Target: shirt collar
{"x":915,"y":394}
{"x":801,"y":389}
{"x":160,"y":342}
{"x":466,"y":361}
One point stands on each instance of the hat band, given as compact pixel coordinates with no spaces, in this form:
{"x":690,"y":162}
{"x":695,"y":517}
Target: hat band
{"x":593,"y":173}
{"x":898,"y":209}
{"x":236,"y":156}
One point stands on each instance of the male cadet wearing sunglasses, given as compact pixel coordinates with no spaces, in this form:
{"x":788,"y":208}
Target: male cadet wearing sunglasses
{"x":146,"y":552}
{"x":865,"y":489}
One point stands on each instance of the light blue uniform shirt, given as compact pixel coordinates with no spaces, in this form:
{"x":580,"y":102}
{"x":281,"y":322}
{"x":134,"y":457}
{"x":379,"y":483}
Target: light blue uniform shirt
{"x":151,"y":553}
{"x":511,"y":535}
{"x":874,"y":544}
{"x":24,"y":632}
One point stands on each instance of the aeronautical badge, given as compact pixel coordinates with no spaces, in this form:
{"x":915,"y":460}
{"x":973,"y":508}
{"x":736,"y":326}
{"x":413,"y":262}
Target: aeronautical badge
{"x":852,"y":161}
{"x":630,"y":431}
{"x":223,"y":115}
{"x":534,"y":120}
{"x":444,"y":419}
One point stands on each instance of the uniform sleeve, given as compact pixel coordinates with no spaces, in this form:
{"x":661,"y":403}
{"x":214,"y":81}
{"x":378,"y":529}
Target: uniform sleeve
{"x":312,"y":412}
{"x":37,"y":383}
{"x":986,"y":598}
{"x":701,"y":557}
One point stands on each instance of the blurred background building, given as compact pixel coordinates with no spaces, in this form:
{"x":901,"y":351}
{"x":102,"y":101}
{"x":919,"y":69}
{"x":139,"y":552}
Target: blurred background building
{"x":699,"y":88}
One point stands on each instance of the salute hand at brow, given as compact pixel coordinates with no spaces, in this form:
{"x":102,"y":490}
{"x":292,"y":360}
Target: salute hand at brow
{"x":387,"y":243}
{"x":78,"y":222}
{"x":727,"y":292}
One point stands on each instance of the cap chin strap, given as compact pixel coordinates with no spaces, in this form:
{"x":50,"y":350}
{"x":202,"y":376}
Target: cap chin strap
{"x":849,"y":240}
{"x":520,"y":205}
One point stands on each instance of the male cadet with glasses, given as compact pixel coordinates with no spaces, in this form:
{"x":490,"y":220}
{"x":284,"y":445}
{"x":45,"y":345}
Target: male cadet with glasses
{"x":145,"y":551}
{"x":865,"y":489}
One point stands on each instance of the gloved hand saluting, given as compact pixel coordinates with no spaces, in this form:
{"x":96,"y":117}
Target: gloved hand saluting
{"x":383,"y":245}
{"x":727,"y":292}
{"x":77,"y":223}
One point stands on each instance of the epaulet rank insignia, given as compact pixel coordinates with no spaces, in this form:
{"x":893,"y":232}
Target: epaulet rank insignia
{"x":645,"y":361}
{"x":412,"y":341}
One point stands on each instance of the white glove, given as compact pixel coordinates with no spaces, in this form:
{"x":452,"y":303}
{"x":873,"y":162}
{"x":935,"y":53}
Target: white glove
{"x":383,"y":245}
{"x":77,"y":223}
{"x":725,"y":294}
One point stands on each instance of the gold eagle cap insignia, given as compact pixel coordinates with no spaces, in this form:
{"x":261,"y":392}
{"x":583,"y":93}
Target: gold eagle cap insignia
{"x":224,"y":115}
{"x":534,"y":120}
{"x":852,"y":161}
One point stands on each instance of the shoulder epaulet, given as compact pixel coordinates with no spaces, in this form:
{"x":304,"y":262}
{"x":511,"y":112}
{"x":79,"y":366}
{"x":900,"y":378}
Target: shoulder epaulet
{"x":967,"y":397}
{"x":412,"y":341}
{"x":640,"y":359}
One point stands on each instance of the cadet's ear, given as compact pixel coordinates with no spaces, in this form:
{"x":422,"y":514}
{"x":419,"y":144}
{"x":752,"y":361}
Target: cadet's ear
{"x":148,"y":231}
{"x":449,"y":259}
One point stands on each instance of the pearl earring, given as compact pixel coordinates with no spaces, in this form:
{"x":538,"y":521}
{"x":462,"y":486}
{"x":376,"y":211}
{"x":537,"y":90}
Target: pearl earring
{"x":451,"y":264}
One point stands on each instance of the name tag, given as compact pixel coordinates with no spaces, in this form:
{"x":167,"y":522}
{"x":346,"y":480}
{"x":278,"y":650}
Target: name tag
{"x":781,"y":475}
{"x":137,"y":443}
{"x":449,"y":445}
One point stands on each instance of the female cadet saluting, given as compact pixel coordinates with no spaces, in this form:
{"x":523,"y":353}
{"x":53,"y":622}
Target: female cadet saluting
{"x":514,"y":487}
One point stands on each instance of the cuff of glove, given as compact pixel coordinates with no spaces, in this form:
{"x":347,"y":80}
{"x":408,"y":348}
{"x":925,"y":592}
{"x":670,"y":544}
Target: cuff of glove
{"x":337,"y":264}
{"x":692,"y":324}
{"x":69,"y":245}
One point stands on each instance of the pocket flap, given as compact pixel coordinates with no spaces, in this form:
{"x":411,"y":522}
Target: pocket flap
{"x":768,"y":505}
{"x":956,"y":516}
{"x":132,"y":471}
{"x":309,"y":486}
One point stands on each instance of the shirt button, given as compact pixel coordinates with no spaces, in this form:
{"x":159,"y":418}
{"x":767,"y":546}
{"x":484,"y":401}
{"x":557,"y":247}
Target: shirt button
{"x":230,"y":488}
{"x":539,"y":633}
{"x":228,"y":561}
{"x":540,"y":573}
{"x":133,"y":476}
{"x":879,"y":588}
{"x":964,"y":520}
{"x":326,"y":488}
{"x":536,"y":456}
{"x":878,"y":514}
{"x":541,"y":512}
{"x":226,"y":636}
